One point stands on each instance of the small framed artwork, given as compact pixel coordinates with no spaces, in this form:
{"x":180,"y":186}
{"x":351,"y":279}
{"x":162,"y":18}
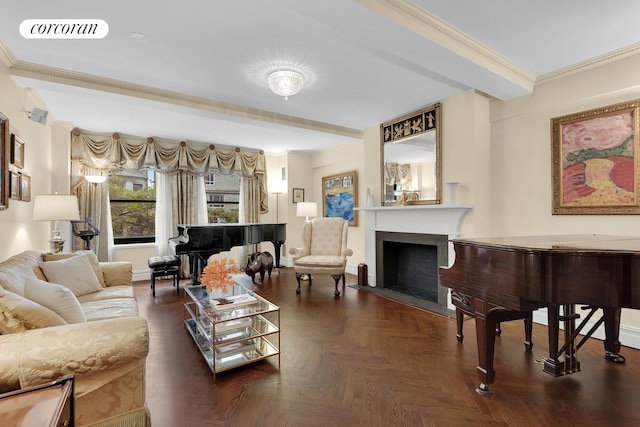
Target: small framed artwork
{"x":340,"y":196}
{"x":25,"y":188}
{"x":298,"y":195}
{"x":594,"y":161}
{"x":15,"y":185}
{"x":17,"y":151}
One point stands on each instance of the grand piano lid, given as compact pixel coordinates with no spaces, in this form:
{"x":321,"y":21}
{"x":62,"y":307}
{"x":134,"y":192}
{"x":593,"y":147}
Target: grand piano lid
{"x":558,"y":243}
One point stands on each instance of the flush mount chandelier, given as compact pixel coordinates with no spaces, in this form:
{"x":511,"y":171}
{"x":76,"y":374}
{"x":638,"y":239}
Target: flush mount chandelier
{"x":285,"y":82}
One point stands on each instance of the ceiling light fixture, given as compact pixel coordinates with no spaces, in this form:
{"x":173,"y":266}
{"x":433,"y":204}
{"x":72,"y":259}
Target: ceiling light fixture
{"x":285,"y":82}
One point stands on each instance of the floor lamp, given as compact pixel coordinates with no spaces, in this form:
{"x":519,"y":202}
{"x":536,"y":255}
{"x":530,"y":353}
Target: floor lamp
{"x":277,"y":193}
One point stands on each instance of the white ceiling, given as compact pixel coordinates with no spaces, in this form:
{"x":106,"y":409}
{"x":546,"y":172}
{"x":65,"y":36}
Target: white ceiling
{"x":201,"y":76}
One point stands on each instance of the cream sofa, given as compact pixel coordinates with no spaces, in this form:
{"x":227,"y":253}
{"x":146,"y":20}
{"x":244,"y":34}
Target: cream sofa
{"x":106,"y":353}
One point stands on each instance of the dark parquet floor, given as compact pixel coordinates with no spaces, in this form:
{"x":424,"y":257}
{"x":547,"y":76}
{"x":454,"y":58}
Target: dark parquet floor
{"x":365,"y":360}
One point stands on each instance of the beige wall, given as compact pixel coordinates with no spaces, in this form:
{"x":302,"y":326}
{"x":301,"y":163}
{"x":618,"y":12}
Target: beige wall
{"x":521,"y":155}
{"x":335,"y":160}
{"x":18,"y":231}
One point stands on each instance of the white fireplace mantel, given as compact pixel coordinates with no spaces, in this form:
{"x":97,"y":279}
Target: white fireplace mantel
{"x":421,"y":219}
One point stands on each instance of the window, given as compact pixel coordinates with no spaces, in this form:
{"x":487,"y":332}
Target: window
{"x":223,"y":197}
{"x":132,"y":196}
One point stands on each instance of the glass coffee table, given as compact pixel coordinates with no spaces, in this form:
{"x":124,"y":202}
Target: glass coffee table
{"x":232,"y":329}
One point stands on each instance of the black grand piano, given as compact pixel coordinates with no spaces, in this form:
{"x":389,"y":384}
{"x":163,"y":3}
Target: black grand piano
{"x":504,"y":278}
{"x":202,"y":241}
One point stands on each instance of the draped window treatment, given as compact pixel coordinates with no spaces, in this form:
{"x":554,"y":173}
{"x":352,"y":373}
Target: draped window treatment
{"x":95,"y":154}
{"x":398,"y":174}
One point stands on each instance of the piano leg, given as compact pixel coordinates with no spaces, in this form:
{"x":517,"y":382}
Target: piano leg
{"x":553,"y":365}
{"x":612,"y":333}
{"x":486,"y":337}
{"x":276,"y":247}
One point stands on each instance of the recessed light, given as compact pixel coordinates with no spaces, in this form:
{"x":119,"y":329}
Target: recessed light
{"x":139,"y":37}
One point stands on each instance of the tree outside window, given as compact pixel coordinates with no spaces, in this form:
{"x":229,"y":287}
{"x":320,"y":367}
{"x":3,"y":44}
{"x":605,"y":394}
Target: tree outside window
{"x":132,"y":196}
{"x":223,"y":197}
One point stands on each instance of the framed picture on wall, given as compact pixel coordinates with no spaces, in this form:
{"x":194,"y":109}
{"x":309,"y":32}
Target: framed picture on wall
{"x":298,"y":195}
{"x":17,"y":151}
{"x":594,"y":161}
{"x":340,"y":196}
{"x":25,"y":188}
{"x":4,"y":162}
{"x":15,"y":185}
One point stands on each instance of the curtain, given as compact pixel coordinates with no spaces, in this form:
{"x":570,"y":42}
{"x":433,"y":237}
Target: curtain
{"x":164,"y":221}
{"x":93,"y":202}
{"x":95,"y":154}
{"x":397,"y":174}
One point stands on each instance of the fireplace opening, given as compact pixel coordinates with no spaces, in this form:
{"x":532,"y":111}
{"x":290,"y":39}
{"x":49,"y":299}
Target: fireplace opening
{"x":409,"y":263}
{"x":412,"y":269}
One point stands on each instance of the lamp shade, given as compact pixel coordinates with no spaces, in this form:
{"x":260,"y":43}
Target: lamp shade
{"x":56,"y":207}
{"x":95,"y":179}
{"x":307,"y":209}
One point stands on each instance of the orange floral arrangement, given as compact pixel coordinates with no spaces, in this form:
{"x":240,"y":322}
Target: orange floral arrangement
{"x":218,"y":274}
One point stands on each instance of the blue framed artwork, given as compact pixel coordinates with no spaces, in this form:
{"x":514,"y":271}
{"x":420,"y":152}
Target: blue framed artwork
{"x":340,"y":196}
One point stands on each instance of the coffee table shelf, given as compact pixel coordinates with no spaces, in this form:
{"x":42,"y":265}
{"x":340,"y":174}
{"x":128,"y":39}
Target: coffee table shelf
{"x":234,"y":336}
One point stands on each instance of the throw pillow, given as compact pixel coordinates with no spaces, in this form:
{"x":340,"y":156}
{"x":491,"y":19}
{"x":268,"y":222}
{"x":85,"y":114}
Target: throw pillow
{"x":91,"y":256}
{"x":18,"y":314}
{"x":75,"y":273}
{"x":55,"y":297}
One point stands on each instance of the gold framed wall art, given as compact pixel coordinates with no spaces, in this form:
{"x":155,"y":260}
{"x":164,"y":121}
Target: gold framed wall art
{"x":595,"y":163}
{"x":340,"y":196}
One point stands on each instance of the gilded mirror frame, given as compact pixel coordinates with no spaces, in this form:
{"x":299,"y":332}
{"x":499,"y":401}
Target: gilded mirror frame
{"x":411,"y":125}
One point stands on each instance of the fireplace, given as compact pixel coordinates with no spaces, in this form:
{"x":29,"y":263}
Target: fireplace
{"x":409,"y":263}
{"x":415,"y":232}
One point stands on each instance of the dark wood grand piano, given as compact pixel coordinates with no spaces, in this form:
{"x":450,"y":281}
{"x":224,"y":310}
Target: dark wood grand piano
{"x":202,"y":241}
{"x":506,"y":277}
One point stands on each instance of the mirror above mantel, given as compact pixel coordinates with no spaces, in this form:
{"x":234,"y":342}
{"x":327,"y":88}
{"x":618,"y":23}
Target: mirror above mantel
{"x":411,"y":163}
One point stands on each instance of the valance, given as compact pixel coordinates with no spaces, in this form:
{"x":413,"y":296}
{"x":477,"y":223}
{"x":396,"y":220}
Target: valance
{"x":103,"y":151}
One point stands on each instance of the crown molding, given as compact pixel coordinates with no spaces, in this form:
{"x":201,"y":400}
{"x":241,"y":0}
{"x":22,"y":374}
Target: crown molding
{"x":90,"y":81}
{"x":413,"y":17}
{"x":590,"y":63}
{"x":6,"y":56}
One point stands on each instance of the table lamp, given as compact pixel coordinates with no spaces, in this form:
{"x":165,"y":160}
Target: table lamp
{"x":56,"y":207}
{"x":307,"y":209}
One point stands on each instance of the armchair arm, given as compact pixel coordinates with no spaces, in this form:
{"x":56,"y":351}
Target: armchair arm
{"x":96,"y":352}
{"x":297,"y":253}
{"x":117,"y":273}
{"x":345,"y":253}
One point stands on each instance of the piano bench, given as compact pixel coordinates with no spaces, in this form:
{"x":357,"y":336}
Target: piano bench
{"x":161,"y":266}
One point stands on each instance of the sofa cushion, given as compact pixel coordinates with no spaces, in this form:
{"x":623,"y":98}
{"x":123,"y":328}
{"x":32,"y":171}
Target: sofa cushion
{"x":91,"y":256}
{"x":109,"y":308}
{"x":75,"y":273}
{"x":18,"y":314}
{"x":111,"y":292}
{"x":15,"y":270}
{"x":55,"y":297}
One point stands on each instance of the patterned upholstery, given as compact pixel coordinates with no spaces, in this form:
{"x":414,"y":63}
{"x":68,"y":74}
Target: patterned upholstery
{"x":107,"y":354}
{"x":325,"y":250}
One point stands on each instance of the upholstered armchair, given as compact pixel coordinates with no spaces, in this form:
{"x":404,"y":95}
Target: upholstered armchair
{"x":324,"y":252}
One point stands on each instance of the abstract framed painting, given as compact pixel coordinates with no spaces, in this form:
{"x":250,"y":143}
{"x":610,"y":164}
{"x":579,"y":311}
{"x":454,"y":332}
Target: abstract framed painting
{"x":340,"y":196}
{"x":595,"y":161}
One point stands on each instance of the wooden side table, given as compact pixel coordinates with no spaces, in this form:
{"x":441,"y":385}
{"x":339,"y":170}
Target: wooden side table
{"x":42,"y":405}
